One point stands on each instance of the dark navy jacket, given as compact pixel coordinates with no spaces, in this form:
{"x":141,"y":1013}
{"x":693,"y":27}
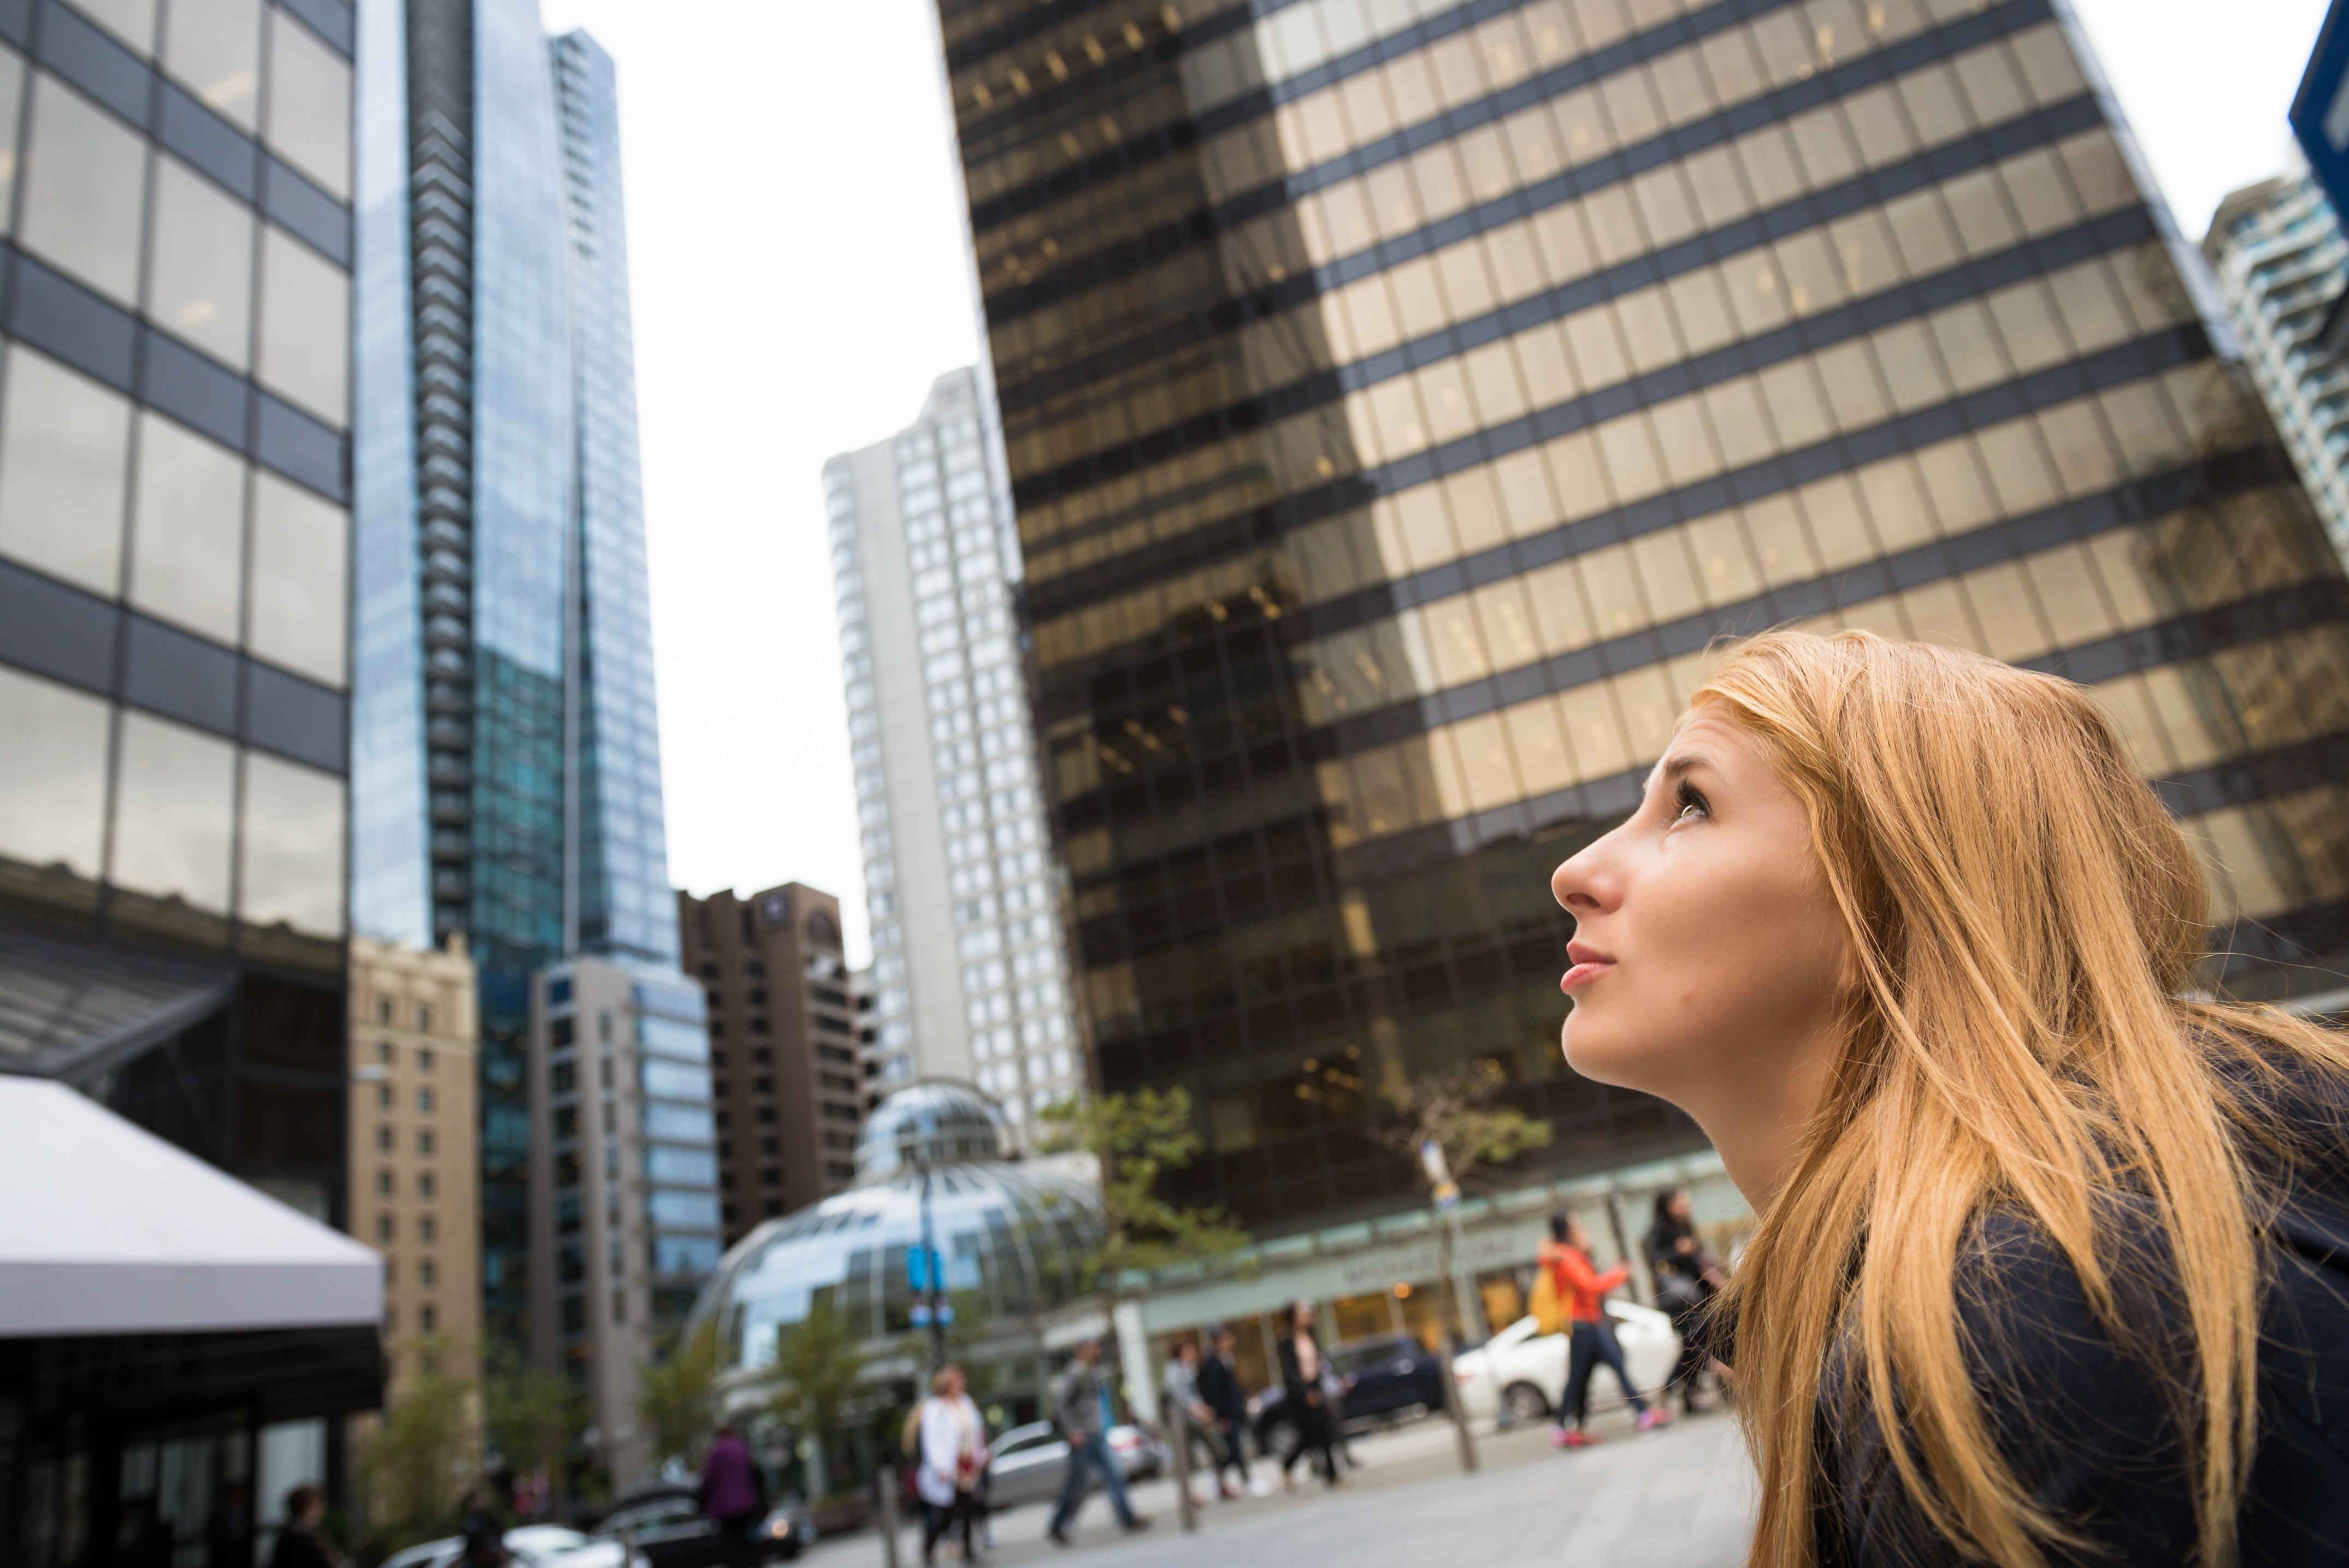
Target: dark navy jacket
{"x":2090,"y":1433}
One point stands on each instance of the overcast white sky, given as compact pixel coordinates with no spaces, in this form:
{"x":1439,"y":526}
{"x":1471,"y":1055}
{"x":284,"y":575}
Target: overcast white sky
{"x":795,"y":235}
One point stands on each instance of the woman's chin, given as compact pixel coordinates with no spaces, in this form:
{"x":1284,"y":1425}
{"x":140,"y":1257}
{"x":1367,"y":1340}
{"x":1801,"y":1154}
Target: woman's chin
{"x":1592,"y":1051}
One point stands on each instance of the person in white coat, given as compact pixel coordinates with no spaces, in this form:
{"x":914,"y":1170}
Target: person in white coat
{"x":954,"y":1462}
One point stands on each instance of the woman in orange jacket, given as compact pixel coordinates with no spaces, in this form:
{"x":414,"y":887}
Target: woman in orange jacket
{"x":1581,"y":1290}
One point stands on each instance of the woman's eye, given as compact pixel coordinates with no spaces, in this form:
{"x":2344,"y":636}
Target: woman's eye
{"x":1693,"y":805}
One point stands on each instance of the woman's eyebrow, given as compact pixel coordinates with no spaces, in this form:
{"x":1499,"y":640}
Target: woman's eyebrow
{"x":1683,"y":762}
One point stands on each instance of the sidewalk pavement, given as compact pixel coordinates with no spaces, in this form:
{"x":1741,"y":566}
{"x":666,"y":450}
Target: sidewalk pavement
{"x":1679,"y":1498}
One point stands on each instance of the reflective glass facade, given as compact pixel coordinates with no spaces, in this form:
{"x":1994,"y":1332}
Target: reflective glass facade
{"x":1400,"y":395}
{"x":175,"y":236}
{"x":508,"y":784}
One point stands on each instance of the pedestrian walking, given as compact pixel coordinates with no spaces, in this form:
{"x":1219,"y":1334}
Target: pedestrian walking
{"x":953,"y":1443}
{"x":1301,"y":1366}
{"x":733,"y":1495}
{"x":481,"y":1532}
{"x":1583,"y":1291}
{"x":1080,"y":1403}
{"x":1220,"y":1389}
{"x":1687,"y":1279}
{"x":300,"y":1542}
{"x":2050,"y":1266}
{"x":1187,"y":1411}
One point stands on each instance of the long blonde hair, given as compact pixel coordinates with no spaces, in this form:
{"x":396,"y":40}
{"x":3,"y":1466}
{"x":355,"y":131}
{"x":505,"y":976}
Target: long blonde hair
{"x":2024,"y":923}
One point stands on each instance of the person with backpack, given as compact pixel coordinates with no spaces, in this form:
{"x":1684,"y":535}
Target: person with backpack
{"x":1583,"y":1290}
{"x":1219,"y":1386}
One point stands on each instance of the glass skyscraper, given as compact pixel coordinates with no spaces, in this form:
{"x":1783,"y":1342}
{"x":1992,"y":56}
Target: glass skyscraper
{"x":507,"y":782}
{"x":969,"y":966}
{"x":1401,"y":394}
{"x":175,"y":227}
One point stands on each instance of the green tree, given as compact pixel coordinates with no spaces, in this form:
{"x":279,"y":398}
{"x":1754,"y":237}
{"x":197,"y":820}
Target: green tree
{"x":423,"y":1452}
{"x":536,"y":1419}
{"x":679,"y":1399}
{"x":1456,"y":1111}
{"x":820,"y":1364}
{"x":1138,"y":1137}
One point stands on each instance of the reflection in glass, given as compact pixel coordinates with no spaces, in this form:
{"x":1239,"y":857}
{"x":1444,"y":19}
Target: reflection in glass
{"x":300,"y":553}
{"x":304,"y":327}
{"x":292,"y":848}
{"x":132,"y":21}
{"x":214,"y":46}
{"x":172,"y":811}
{"x":12,"y":99}
{"x":85,"y":176}
{"x":187,"y":530}
{"x":52,"y":776}
{"x":309,"y":104}
{"x":200,"y":287}
{"x":64,"y":442}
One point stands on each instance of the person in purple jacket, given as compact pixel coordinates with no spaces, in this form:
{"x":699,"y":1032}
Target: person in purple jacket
{"x":733,"y":1494}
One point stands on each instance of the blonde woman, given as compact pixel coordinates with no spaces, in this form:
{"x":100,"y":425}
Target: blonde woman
{"x":954,"y":1461}
{"x":1903,"y":930}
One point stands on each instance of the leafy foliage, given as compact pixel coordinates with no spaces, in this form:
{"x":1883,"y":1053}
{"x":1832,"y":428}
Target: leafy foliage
{"x":421,"y":1456}
{"x":1456,"y":1110}
{"x":536,"y":1419}
{"x":679,"y":1399}
{"x":1138,"y":1137}
{"x":820,"y":1366}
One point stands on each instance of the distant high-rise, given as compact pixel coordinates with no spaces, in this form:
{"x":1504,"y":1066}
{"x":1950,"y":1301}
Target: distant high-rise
{"x":1398,"y":398}
{"x":969,"y":967}
{"x":786,"y":1048}
{"x":2283,"y":262}
{"x":507,"y":776}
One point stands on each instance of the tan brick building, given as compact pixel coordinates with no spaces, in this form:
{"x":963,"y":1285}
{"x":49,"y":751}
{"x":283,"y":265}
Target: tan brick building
{"x":786,"y":1046}
{"x":415,"y":1171}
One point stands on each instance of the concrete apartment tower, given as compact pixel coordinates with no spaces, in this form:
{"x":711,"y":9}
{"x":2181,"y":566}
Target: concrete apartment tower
{"x":786,"y":1048}
{"x":1398,"y":400}
{"x":969,"y":957}
{"x":623,"y":1184}
{"x":2282,"y":262}
{"x":415,"y":1164}
{"x":507,"y":772}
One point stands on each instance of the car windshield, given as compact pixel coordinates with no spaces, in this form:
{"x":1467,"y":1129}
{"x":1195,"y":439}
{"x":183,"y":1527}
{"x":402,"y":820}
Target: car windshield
{"x":545,"y":1540}
{"x":1371,"y":1352}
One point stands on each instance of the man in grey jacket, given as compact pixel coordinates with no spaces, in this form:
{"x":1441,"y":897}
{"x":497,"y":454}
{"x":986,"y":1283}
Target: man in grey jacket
{"x":1080,"y":1403}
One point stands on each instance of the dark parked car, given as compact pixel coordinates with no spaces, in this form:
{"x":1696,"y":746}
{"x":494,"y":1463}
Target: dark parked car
{"x":671,"y":1532}
{"x":1387,"y":1376}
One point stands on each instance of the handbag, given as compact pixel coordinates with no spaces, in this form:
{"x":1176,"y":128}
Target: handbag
{"x":1548,"y":1313}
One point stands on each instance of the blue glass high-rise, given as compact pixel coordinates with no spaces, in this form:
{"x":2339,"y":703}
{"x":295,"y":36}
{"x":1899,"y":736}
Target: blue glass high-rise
{"x":506,"y":778}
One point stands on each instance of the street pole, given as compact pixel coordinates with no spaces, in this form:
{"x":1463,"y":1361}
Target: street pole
{"x":1447,"y":1206}
{"x":1178,"y":1435}
{"x":885,"y":1512}
{"x":933,"y":1268}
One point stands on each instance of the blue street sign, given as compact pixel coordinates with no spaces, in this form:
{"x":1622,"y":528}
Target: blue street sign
{"x":2320,"y":110}
{"x":922,"y":1268}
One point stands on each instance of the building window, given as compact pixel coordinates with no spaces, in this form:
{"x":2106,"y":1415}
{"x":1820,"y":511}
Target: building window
{"x":424,"y":1027}
{"x":386,"y":1227}
{"x":774,"y":1207}
{"x":423,"y":1053}
{"x":425,"y":1228}
{"x":424,"y":1183}
{"x":390,"y":1273}
{"x":427,"y":1274}
{"x":383,"y":1137}
{"x":771,"y":1177}
{"x":423,"y":1140}
{"x":383,"y":1016}
{"x":424,"y":1099}
{"x":383,"y":1052}
{"x":384,"y":1184}
{"x":426,"y":1321}
{"x":383,"y":1096}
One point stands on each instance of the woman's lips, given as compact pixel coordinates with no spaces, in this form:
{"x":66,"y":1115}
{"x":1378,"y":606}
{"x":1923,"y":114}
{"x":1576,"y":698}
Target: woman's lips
{"x":1589,"y":964}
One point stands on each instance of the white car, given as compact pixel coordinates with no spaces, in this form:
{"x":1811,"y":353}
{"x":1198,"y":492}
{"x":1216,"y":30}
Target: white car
{"x":1526,"y":1370}
{"x":529,"y":1546}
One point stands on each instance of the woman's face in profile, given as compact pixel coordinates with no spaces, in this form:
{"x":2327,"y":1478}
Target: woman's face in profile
{"x":1708,"y":956}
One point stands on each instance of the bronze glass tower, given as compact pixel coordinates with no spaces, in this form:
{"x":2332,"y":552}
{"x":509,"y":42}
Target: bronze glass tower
{"x":1400,"y":396}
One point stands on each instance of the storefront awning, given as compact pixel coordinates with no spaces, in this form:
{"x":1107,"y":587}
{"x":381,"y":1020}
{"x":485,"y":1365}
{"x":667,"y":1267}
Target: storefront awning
{"x":105,"y":1229}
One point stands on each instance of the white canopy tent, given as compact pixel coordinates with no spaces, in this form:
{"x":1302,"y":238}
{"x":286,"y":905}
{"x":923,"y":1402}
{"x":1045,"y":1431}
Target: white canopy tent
{"x":107,"y":1229}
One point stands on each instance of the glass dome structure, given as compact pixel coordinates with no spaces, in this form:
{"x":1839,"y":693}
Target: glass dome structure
{"x":1013,"y":1234}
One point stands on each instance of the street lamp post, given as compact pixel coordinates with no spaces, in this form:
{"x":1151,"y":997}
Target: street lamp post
{"x":934,"y":1307}
{"x":1447,"y":1203}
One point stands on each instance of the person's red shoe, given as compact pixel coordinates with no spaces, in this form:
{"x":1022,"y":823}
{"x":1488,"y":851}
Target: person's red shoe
{"x":1576,"y":1438}
{"x":1650,"y":1419}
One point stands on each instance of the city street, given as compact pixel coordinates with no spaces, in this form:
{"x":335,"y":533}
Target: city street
{"x":1680,"y":1497}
